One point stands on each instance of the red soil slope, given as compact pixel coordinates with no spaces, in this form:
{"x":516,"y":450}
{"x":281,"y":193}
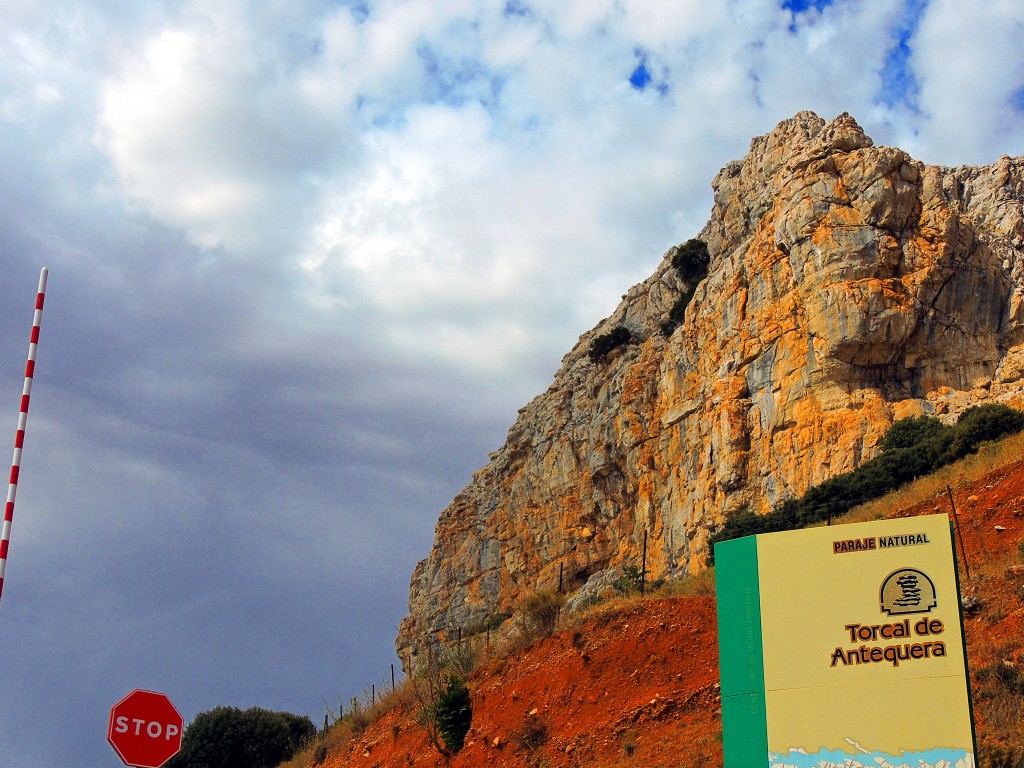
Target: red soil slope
{"x":640,"y":686}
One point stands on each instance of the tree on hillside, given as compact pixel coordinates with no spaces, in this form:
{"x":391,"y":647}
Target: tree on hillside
{"x":228,"y":737}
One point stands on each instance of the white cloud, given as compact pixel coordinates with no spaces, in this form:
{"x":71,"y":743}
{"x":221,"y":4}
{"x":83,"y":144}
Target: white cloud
{"x":438,"y":163}
{"x":208,"y":127}
{"x":970,"y":62}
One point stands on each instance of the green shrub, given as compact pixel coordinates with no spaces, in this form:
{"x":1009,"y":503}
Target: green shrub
{"x":909,"y":432}
{"x":228,"y":737}
{"x":629,"y":581}
{"x":910,"y":449}
{"x":606,"y":342}
{"x":453,"y":714}
{"x":983,"y":423}
{"x":691,"y":260}
{"x":438,"y":687}
{"x":678,"y":311}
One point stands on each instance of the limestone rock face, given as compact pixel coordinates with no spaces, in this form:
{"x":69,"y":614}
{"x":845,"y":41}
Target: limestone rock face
{"x":849,"y":286}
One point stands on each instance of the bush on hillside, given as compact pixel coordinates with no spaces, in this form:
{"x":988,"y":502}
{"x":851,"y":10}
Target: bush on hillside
{"x":606,"y":342}
{"x":228,"y":737}
{"x":909,"y":432}
{"x":983,"y":423}
{"x":691,"y":260}
{"x":678,"y":311}
{"x":438,"y":686}
{"x":453,"y":713}
{"x":910,"y":449}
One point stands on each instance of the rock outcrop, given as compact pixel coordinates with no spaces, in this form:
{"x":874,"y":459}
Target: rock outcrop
{"x":849,"y":286}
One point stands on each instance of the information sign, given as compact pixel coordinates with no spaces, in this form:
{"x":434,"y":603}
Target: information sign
{"x":844,"y":646}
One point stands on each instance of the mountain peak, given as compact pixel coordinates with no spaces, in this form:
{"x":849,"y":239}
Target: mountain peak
{"x":843,"y":286}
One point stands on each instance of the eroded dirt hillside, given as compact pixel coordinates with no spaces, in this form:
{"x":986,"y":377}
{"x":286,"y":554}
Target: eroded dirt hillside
{"x":640,"y":686}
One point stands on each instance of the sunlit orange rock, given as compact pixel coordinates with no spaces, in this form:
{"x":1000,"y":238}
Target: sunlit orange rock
{"x":849,"y":286}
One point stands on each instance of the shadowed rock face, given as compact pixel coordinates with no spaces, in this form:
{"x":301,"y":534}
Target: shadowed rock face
{"x":849,"y":286}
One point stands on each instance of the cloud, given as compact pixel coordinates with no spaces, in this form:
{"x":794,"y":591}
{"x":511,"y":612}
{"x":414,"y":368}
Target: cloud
{"x":413,"y":176}
{"x":971,"y":66}
{"x":423,"y":168}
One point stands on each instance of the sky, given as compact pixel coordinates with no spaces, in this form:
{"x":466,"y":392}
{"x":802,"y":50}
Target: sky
{"x":307,"y":259}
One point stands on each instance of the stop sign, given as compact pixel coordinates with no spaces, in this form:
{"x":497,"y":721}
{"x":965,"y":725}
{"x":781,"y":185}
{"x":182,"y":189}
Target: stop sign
{"x":145,"y":729}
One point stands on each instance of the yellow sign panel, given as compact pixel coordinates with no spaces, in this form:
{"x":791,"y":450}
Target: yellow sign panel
{"x":861,"y":643}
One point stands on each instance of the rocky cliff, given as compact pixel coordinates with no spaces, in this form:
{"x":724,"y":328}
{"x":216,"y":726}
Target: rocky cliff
{"x":849,"y":286}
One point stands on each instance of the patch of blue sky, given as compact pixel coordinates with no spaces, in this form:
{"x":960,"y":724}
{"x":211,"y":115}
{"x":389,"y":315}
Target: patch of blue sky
{"x":899,"y":86}
{"x":516,"y":8}
{"x":799,"y":6}
{"x":640,"y":77}
{"x":755,"y":87}
{"x":1017,"y":99}
{"x":796,"y":7}
{"x":647,"y":75}
{"x":380,"y":114}
{"x":457,"y":81}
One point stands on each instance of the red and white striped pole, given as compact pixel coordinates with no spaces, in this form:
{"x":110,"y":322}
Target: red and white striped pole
{"x":19,"y":437}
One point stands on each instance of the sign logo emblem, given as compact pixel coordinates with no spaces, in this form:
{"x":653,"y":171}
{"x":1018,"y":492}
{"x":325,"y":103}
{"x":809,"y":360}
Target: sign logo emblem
{"x":907,"y":590}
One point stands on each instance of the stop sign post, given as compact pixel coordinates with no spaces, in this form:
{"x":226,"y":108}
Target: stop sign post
{"x":145,"y":729}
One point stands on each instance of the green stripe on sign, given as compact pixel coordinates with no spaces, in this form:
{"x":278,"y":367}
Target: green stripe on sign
{"x":741,"y":657}
{"x":740,"y":653}
{"x":744,"y":730}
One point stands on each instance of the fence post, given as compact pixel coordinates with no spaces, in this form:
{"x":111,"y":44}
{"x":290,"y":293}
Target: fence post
{"x":959,"y":534}
{"x":643,"y":566}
